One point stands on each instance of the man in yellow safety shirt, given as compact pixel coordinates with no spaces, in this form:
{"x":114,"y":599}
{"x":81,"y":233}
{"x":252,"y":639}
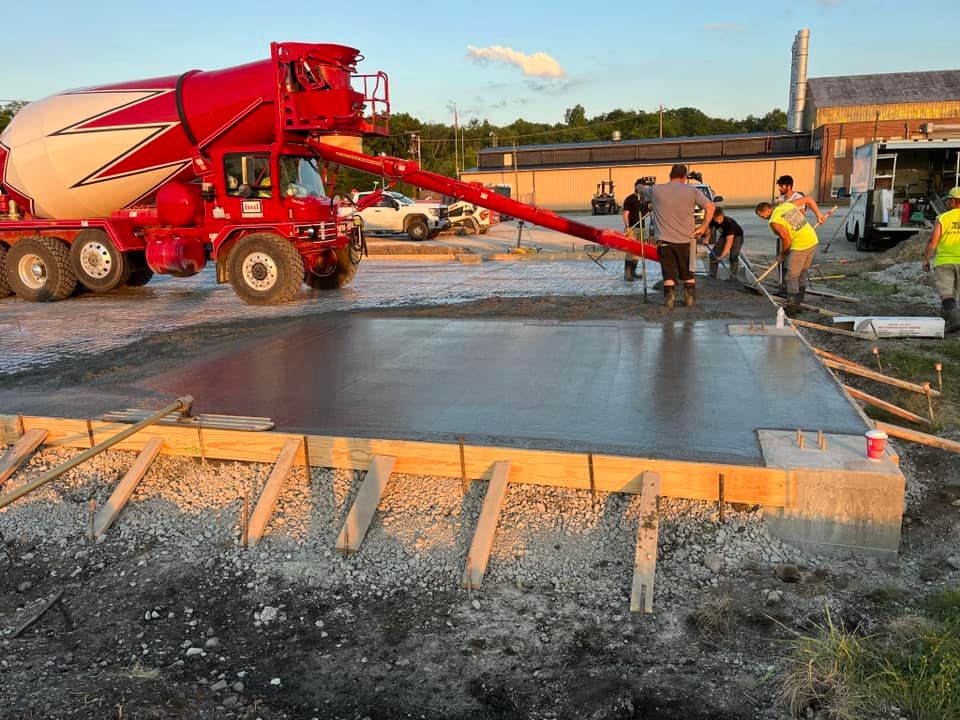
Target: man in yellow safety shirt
{"x":798,"y":241}
{"x":945,"y":242}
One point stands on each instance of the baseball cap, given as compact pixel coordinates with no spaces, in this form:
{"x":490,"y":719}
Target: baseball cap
{"x":954,"y":193}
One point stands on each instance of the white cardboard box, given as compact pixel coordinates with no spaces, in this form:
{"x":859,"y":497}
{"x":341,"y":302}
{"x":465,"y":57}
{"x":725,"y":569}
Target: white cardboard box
{"x":895,"y":326}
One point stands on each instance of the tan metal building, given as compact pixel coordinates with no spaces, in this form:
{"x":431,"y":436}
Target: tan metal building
{"x":742,"y":168}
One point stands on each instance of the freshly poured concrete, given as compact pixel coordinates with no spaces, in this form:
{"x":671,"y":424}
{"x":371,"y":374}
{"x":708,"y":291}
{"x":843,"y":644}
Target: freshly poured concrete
{"x":684,"y":390}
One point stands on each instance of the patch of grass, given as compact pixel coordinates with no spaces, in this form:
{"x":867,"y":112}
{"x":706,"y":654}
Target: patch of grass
{"x":715,"y":617}
{"x":910,"y":365}
{"x":945,"y":605}
{"x":914,"y":664}
{"x":862,"y":287}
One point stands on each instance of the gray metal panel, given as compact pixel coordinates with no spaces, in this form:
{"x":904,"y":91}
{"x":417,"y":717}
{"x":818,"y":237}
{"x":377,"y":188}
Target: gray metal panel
{"x":885,"y":88}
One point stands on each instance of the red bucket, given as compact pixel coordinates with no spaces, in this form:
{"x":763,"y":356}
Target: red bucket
{"x":876,"y":444}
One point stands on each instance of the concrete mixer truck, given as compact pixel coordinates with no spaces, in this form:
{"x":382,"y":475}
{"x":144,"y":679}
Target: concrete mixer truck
{"x":105,"y":186}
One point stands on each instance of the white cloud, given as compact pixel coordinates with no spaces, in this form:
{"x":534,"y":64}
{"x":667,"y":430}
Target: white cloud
{"x":537,"y":65}
{"x":723,"y":27}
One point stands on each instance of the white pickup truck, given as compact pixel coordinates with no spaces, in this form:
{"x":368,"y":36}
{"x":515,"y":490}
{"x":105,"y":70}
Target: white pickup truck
{"x":396,"y":213}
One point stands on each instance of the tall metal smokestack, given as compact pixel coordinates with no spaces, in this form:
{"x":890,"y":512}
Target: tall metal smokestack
{"x":798,"y":81}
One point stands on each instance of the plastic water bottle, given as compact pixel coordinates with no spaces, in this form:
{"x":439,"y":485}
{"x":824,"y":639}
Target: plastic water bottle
{"x":781,"y":315}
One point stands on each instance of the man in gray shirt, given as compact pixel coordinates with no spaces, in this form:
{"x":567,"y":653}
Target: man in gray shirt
{"x":673,"y":210}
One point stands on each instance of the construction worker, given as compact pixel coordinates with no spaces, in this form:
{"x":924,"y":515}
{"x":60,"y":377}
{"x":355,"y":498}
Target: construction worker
{"x":797,"y":240}
{"x":728,"y":243}
{"x":786,"y":191}
{"x":673,"y":207}
{"x":635,"y":206}
{"x":945,"y":242}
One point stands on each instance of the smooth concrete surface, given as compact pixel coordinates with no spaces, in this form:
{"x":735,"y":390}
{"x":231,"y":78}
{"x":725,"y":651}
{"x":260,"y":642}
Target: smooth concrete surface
{"x":684,"y":390}
{"x":840,"y":502}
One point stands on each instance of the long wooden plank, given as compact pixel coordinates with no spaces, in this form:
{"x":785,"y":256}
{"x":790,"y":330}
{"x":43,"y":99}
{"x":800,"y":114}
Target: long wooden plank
{"x":482,"y":544}
{"x":271,"y":491}
{"x":645,"y":557}
{"x":365,"y":505}
{"x":123,"y":491}
{"x":879,"y":377}
{"x":884,"y":405}
{"x":834,"y":330}
{"x":678,"y":478}
{"x":21,"y":450}
{"x":918,"y":437}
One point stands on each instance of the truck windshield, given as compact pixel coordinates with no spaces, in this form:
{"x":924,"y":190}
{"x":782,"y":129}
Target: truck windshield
{"x":300,"y":177}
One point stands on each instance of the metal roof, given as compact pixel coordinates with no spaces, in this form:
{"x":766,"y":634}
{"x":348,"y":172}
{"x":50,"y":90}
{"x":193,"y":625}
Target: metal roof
{"x":885,"y":88}
{"x":642,"y":141}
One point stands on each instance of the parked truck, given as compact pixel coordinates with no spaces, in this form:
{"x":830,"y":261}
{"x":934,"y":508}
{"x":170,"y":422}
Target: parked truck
{"x":105,"y":186}
{"x":897,"y":187}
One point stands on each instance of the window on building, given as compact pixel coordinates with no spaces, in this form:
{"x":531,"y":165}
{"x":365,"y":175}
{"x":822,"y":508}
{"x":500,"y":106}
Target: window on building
{"x":857,"y":142}
{"x":840,"y":148}
{"x":507,"y":159}
{"x":837,"y":186}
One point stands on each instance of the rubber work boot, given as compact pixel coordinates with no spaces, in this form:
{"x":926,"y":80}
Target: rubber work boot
{"x":951,"y":314}
{"x":800,"y":294}
{"x":690,"y":295}
{"x":669,"y":296}
{"x":793,"y":305}
{"x":629,"y":270}
{"x":734,"y":266}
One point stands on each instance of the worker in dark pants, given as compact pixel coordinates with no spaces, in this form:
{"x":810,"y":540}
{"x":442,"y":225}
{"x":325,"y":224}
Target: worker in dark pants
{"x":673,"y":206}
{"x":944,"y":249}
{"x":728,"y":243}
{"x":635,"y":206}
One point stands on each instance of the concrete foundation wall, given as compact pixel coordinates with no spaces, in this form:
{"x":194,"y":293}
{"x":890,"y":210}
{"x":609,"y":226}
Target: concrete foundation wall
{"x":741,"y":182}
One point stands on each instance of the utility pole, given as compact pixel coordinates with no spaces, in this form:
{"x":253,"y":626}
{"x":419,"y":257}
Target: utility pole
{"x":661,"y":122}
{"x":456,"y":149}
{"x":415,"y":146}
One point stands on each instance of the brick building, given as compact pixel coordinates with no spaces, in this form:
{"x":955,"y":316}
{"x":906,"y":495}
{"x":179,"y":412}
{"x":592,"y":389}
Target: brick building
{"x":845,"y":112}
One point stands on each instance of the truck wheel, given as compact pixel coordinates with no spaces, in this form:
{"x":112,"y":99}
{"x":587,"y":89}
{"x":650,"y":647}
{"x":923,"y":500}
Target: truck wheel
{"x":265,"y":269}
{"x":348,"y":261}
{"x":417,"y":229}
{"x":38,"y":269}
{"x":5,"y":288}
{"x":472,"y":226}
{"x":856,"y":235}
{"x":140,"y":272}
{"x":864,"y":243}
{"x":97,"y":262}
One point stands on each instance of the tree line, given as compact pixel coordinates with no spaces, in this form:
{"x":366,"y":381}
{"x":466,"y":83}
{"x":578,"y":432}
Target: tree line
{"x":440,"y":153}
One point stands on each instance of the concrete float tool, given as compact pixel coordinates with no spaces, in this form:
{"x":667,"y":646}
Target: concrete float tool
{"x":183,"y":418}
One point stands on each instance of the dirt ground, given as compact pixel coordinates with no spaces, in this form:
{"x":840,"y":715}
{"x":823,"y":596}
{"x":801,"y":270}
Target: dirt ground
{"x":161,"y":624}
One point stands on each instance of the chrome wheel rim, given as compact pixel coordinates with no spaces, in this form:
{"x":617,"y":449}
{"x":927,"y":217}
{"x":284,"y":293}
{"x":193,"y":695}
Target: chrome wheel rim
{"x":259,"y":271}
{"x":32,"y":271}
{"x":95,"y":260}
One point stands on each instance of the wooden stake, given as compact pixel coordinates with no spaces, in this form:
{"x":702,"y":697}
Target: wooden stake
{"x":38,"y":614}
{"x":21,"y":450}
{"x":876,"y":352}
{"x":271,"y":491}
{"x":464,"y":485}
{"x":835,"y":331}
{"x":365,"y":504}
{"x":203,"y":450}
{"x":482,"y":544}
{"x":720,"y":502}
{"x":645,"y":556}
{"x":306,"y":459}
{"x":20,"y":424}
{"x":593,"y":482}
{"x":873,"y":375}
{"x":90,"y":432}
{"x":126,"y":487}
{"x":928,"y":393}
{"x":918,"y":437}
{"x":884,"y":405}
{"x":821,"y":440}
{"x":939,"y":368}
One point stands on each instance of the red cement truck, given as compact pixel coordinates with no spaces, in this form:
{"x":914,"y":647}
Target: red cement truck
{"x":105,"y":186}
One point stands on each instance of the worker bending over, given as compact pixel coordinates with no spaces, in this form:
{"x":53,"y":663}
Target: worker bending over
{"x":673,"y":206}
{"x":798,"y":242}
{"x":728,"y":243}
{"x":945,"y":242}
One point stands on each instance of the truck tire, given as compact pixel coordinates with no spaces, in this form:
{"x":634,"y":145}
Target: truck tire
{"x":96,"y":261}
{"x":856,"y":235}
{"x":5,"y":288}
{"x":38,"y":269}
{"x":865,"y":241}
{"x":348,"y":261}
{"x":472,"y":226}
{"x":140,"y":272}
{"x":417,"y":229}
{"x":265,"y":269}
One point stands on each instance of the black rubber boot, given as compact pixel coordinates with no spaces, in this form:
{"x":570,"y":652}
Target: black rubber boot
{"x":690,"y":295}
{"x":951,"y":314}
{"x":800,"y":295}
{"x":734,"y":266}
{"x":669,"y":296}
{"x":793,"y":305}
{"x":713,"y":266}
{"x":629,"y":270}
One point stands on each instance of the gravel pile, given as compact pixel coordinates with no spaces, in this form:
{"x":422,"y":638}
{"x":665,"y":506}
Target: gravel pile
{"x":548,"y":538}
{"x":912,"y":284}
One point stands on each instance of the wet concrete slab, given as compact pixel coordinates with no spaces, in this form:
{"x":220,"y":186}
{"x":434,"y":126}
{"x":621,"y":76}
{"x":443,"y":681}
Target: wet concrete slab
{"x":686,"y":390}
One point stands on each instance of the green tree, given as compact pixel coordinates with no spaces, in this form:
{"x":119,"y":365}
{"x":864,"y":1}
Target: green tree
{"x":7,"y":112}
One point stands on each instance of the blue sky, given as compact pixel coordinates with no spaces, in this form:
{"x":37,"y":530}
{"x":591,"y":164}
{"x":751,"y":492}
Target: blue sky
{"x":729,"y":59}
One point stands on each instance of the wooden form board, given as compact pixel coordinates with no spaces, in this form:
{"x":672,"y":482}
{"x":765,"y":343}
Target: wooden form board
{"x":854,"y":369}
{"x":694,"y":480}
{"x":120,"y":495}
{"x":482,"y":544}
{"x":31,"y":440}
{"x":884,"y":405}
{"x":645,"y":557}
{"x":271,"y":491}
{"x":365,"y":505}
